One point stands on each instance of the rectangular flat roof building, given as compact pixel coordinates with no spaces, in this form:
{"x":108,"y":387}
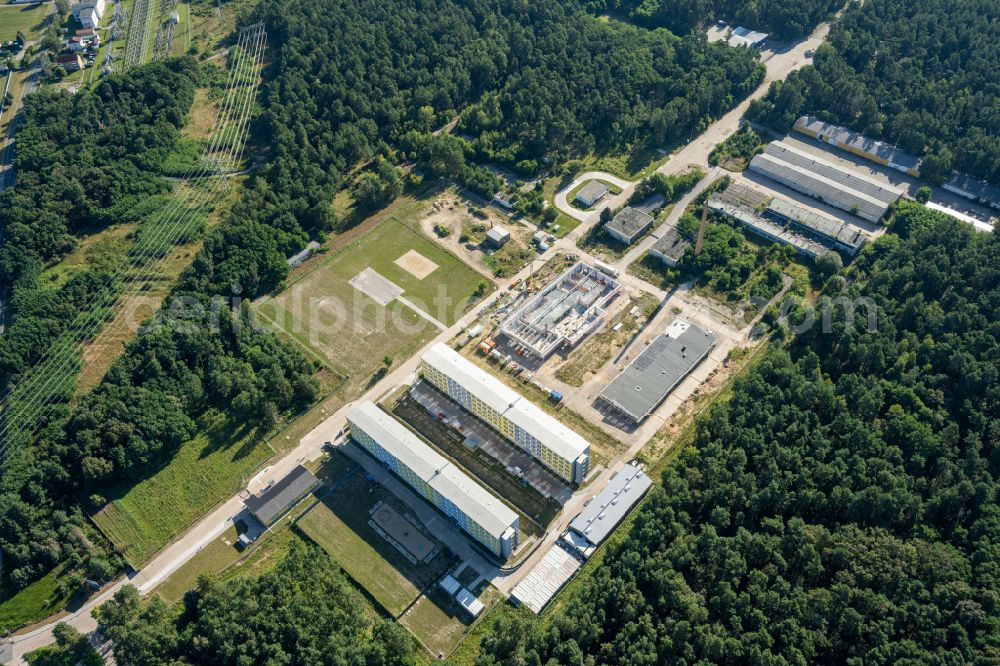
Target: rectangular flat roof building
{"x":653,"y":374}
{"x":481,"y":514}
{"x":757,"y":224}
{"x":858,"y":144}
{"x":628,"y":225}
{"x":276,"y":500}
{"x":824,"y":181}
{"x":974,"y":189}
{"x":841,"y":236}
{"x":542,"y":583}
{"x":515,"y":417}
{"x":591,"y":193}
{"x":610,"y":506}
{"x":670,"y":247}
{"x":746,"y":37}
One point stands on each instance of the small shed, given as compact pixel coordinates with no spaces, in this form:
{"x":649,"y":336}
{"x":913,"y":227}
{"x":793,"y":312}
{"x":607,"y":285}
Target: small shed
{"x":450,"y":585}
{"x":591,"y":193}
{"x":746,"y":37}
{"x":277,"y":499}
{"x":469,"y":602}
{"x":497,"y":237}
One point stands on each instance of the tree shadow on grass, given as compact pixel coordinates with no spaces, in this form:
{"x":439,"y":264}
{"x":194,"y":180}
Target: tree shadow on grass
{"x":224,"y":434}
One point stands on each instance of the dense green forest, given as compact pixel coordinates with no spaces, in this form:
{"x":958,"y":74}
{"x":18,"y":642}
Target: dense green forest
{"x":83,"y":162}
{"x":784,"y":19}
{"x":840,"y":507}
{"x":534,"y":82}
{"x":304,"y":611}
{"x":921,"y":74}
{"x":396,"y":72}
{"x":198,"y":355}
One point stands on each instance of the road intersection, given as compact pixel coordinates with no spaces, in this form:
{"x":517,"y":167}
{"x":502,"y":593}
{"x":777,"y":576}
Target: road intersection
{"x":779,"y":65}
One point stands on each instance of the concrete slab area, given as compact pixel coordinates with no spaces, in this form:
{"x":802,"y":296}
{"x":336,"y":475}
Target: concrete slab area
{"x":370,"y":283}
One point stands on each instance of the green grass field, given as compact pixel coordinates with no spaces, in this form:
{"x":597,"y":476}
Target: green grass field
{"x":29,"y":19}
{"x":437,"y":621}
{"x":452,"y":280}
{"x":351,"y":332}
{"x":143,"y":518}
{"x":38,"y":600}
{"x":340,"y":525}
{"x":342,"y":327}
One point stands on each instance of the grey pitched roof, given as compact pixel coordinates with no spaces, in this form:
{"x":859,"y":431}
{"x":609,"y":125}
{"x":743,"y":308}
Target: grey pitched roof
{"x":764,"y":227}
{"x":826,"y":188}
{"x":827,"y":227}
{"x":277,"y":499}
{"x":610,"y":506}
{"x":980,"y":189}
{"x":671,"y":245}
{"x":592,"y":191}
{"x":841,"y":136}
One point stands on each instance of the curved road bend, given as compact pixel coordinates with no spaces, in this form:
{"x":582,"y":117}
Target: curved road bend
{"x":199,"y":535}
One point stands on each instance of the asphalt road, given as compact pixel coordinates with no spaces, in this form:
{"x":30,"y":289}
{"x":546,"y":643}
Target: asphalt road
{"x":310,"y":447}
{"x":695,"y":153}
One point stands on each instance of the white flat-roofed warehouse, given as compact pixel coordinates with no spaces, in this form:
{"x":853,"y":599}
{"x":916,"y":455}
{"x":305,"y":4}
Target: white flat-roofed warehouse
{"x":628,"y":225}
{"x":610,"y":506}
{"x":653,"y":374}
{"x":825,"y":181}
{"x":591,"y":193}
{"x":518,"y":419}
{"x":472,"y":507}
{"x":563,"y":313}
{"x":746,"y":37}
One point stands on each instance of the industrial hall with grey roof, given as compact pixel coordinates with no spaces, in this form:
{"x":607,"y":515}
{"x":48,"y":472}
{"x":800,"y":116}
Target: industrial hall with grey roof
{"x":653,"y":374}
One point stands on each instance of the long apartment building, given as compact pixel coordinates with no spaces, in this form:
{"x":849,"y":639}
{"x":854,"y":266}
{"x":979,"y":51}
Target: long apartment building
{"x":513,"y":416}
{"x":477,"y":511}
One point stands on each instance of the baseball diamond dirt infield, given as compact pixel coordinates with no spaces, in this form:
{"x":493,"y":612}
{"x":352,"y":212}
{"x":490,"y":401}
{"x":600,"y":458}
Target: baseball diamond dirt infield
{"x":416,"y":264}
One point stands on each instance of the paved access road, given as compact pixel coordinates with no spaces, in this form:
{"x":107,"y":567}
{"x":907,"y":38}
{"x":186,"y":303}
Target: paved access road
{"x":198,"y":536}
{"x":695,"y":153}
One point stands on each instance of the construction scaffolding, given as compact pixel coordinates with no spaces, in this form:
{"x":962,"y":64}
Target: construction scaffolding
{"x":563,"y":313}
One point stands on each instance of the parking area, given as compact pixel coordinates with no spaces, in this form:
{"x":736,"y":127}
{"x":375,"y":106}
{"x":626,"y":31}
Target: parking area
{"x":479,"y":436}
{"x":888,"y":175}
